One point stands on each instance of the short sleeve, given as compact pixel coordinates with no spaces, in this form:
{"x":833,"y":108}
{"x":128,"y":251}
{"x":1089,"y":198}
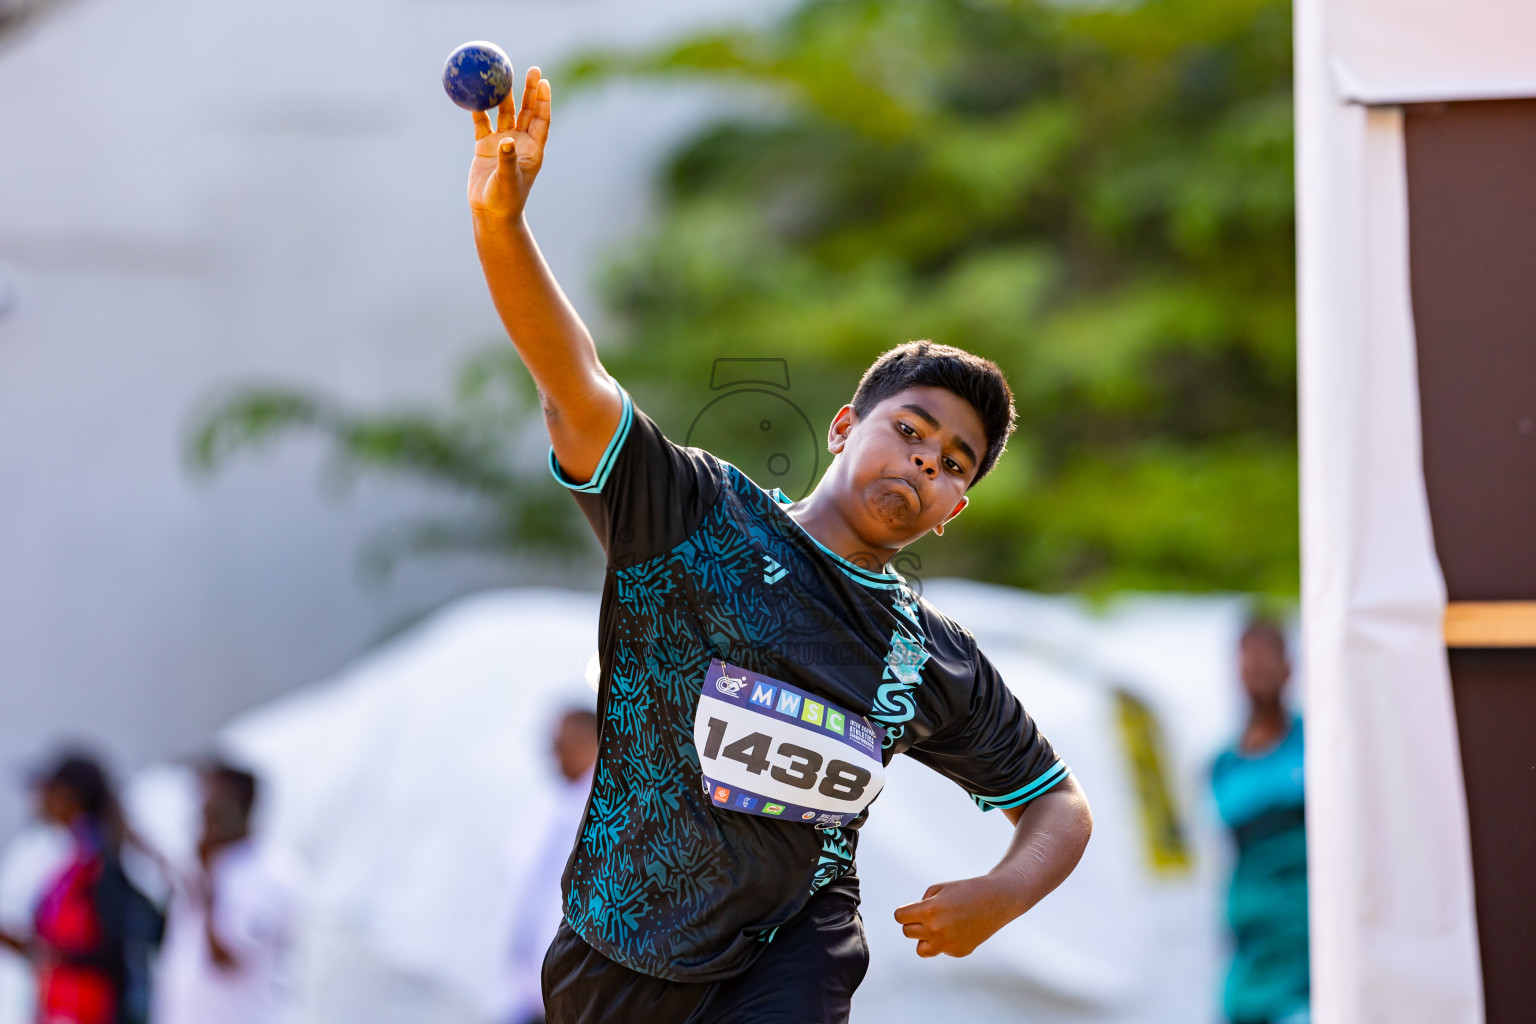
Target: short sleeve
{"x":994,"y":750}
{"x":252,"y":910}
{"x":647,"y":494}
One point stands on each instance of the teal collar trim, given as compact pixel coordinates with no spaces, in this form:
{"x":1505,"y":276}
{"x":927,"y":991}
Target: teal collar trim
{"x":889,"y":579}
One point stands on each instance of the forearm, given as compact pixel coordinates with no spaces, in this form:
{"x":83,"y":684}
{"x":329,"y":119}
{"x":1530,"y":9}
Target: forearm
{"x":1049,"y":836}
{"x":544,"y":327}
{"x":218,"y":952}
{"x":581,"y":407}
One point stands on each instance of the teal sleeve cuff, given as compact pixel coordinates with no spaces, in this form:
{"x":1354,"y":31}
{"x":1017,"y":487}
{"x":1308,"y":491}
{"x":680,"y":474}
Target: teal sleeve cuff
{"x":1024,"y":794}
{"x":610,"y":454}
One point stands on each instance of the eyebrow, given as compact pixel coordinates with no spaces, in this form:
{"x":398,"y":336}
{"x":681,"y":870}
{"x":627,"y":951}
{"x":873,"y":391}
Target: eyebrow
{"x":928,"y":418}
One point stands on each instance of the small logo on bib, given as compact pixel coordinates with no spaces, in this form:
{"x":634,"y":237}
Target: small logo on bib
{"x":730,"y":685}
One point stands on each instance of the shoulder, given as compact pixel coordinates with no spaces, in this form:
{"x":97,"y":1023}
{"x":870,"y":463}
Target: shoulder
{"x":944,"y":633}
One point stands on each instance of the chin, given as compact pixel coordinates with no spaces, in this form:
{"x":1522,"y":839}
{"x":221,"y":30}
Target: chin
{"x":890,"y":511}
{"x":889,"y":522}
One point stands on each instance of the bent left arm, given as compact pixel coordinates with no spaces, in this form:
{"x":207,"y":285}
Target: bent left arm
{"x":1049,"y":836}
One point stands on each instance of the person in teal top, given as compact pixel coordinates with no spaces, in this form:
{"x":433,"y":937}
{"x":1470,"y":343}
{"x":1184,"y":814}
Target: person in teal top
{"x":1260,"y":796}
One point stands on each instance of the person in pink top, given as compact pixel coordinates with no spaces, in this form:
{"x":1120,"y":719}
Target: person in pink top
{"x":91,"y":928}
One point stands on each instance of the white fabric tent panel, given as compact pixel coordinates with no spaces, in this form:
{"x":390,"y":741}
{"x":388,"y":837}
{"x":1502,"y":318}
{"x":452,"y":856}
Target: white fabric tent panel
{"x":1394,"y":937}
{"x":1408,"y":51}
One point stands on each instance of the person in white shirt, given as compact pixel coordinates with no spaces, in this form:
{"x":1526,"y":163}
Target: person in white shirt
{"x":537,"y":915}
{"x":229,"y":920}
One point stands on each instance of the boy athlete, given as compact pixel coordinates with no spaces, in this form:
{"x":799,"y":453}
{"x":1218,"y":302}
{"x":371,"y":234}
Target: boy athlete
{"x":761,"y":664}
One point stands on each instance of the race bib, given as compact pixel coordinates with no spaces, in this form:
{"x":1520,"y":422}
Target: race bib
{"x":772,"y":749}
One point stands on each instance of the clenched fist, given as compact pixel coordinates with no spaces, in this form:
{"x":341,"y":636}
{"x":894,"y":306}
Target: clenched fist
{"x":956,"y":917}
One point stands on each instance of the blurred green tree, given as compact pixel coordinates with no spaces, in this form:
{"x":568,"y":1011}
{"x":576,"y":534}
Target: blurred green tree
{"x":1097,"y":197}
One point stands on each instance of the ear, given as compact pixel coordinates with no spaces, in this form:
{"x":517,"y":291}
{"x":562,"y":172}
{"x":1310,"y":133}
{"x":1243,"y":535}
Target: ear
{"x":842,"y":426}
{"x":958,"y":509}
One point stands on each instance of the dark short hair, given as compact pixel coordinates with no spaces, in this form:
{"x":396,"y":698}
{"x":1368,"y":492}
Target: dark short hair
{"x":927,"y":364}
{"x":239,"y":784}
{"x":83,"y":777}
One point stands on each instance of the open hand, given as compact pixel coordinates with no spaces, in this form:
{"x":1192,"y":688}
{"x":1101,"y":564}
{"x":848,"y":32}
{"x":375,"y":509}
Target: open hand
{"x":508,"y":157}
{"x":956,"y":917}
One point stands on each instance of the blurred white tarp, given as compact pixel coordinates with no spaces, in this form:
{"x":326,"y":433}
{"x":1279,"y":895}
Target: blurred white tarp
{"x":1394,"y":934}
{"x":402,"y":782}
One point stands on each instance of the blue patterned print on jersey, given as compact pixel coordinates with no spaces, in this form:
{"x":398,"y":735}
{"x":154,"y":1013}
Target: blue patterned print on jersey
{"x":894,"y":706}
{"x":647,"y":867}
{"x":705,"y":564}
{"x":836,"y":858}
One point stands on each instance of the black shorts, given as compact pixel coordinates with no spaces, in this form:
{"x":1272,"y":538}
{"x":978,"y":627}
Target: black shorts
{"x":806,"y":975}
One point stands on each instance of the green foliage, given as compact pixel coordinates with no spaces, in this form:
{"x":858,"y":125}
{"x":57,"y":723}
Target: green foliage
{"x":467,"y":451}
{"x":1097,"y":197}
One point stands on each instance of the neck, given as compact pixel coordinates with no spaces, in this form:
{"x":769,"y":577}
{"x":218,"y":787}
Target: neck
{"x":1267,"y":711}
{"x":216,"y":844}
{"x":818,"y":516}
{"x":1267,"y":725}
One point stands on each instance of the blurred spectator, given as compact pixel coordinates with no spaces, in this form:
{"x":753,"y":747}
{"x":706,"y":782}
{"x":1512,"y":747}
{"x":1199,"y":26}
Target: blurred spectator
{"x":229,"y":918}
{"x":538,"y":909}
{"x":1259,"y":794}
{"x":92,"y":929}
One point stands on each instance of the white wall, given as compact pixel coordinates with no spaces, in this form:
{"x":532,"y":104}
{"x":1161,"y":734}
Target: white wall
{"x":201,"y":192}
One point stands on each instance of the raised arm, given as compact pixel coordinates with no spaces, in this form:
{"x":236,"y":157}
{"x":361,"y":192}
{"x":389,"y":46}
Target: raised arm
{"x":581,"y":405}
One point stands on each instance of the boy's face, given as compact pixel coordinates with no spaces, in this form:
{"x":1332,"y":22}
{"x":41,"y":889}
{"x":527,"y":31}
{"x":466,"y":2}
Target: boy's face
{"x":904,"y":467}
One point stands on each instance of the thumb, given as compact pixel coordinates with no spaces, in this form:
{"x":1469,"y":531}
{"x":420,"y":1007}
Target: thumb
{"x":506,"y":155}
{"x":933,"y":890}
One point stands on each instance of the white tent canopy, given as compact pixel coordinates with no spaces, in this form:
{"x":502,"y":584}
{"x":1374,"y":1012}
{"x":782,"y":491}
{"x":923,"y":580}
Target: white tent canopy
{"x":402,"y":783}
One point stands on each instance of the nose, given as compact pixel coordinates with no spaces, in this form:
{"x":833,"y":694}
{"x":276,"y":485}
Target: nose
{"x":926,"y":466}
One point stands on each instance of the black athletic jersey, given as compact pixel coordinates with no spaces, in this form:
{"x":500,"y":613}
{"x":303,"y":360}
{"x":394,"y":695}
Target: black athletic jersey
{"x":704,"y":564}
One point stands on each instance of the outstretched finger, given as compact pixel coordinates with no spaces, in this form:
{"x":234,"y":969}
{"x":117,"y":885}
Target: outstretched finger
{"x":506,"y":112}
{"x":482,"y":124}
{"x":506,"y":154}
{"x":538,"y":124}
{"x":530,"y":95}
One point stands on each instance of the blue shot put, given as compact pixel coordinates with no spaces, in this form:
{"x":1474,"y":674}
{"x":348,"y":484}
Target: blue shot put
{"x":478,"y":75}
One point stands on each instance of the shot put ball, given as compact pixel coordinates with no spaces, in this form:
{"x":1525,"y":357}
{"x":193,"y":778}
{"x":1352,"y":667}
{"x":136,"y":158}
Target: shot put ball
{"x":477,"y":76}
